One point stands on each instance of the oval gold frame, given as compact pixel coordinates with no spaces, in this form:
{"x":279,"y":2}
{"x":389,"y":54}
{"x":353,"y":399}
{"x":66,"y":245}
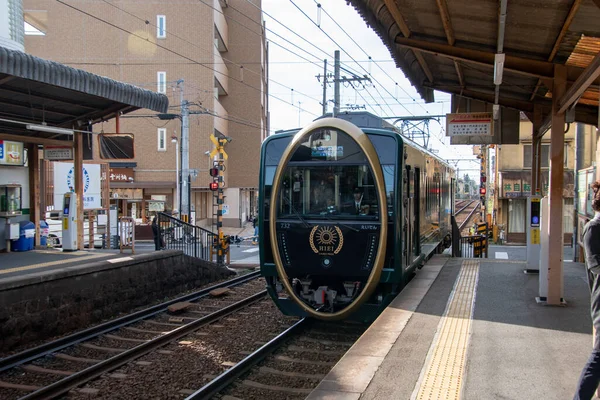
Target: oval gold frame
{"x":366,"y":146}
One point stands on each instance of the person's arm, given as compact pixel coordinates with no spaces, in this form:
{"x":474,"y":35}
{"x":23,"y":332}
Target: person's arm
{"x":591,"y":244}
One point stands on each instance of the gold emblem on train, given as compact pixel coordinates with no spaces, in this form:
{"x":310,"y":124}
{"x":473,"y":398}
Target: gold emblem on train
{"x":326,"y":240}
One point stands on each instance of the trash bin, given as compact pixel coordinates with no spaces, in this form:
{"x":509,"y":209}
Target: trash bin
{"x":44,"y":229}
{"x":26,"y":236}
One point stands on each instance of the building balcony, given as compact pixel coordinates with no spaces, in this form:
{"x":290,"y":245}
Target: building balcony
{"x":221,"y":75}
{"x":221,"y":122}
{"x":221,"y":29}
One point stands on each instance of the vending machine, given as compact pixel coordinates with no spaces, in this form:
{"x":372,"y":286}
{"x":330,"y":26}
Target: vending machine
{"x":69,"y":226}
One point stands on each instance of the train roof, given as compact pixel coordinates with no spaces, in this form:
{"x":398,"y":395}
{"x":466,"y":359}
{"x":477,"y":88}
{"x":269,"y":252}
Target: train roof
{"x":380,"y":131}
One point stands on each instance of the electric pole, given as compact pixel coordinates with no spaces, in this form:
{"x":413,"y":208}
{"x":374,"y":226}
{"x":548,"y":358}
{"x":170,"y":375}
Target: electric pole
{"x":336,"y":84}
{"x":324,"y":86}
{"x":185,"y":153}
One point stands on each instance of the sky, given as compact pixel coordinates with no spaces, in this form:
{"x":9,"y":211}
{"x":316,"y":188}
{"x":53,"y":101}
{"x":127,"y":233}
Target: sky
{"x":296,"y":93}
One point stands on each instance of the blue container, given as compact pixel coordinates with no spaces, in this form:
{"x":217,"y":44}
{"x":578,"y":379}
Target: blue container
{"x":26,"y":237}
{"x":44,"y":233}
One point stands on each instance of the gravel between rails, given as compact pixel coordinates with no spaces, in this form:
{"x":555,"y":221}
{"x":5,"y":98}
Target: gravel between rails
{"x":320,"y":347}
{"x":194,"y":359}
{"x":25,"y":377}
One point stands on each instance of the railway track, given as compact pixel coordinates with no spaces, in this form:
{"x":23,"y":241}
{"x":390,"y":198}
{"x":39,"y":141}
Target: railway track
{"x":289,"y":366}
{"x":118,"y":342}
{"x":465,"y":214}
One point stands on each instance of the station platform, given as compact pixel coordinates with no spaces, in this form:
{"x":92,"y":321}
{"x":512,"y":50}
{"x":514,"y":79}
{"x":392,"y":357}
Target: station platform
{"x":470,"y":329}
{"x":35,"y":261}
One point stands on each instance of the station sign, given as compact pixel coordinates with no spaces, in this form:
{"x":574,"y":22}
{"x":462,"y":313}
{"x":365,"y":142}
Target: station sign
{"x":469,"y":124}
{"x":58,"y":153}
{"x":11,"y":153}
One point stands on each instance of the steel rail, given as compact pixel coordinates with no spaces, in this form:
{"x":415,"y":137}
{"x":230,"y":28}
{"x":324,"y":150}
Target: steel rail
{"x":79,"y":378}
{"x":462,"y":209}
{"x":95,"y":331}
{"x":462,"y":225}
{"x":229,"y":376}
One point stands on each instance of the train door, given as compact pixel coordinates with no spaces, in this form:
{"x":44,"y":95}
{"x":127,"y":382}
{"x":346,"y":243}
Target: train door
{"x":417,"y":212}
{"x":409,"y":215}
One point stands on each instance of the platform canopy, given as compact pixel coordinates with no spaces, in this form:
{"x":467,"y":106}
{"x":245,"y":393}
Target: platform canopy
{"x":451,"y":46}
{"x":42,"y":92}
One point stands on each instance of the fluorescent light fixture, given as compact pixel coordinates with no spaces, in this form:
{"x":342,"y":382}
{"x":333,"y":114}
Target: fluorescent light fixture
{"x":50,"y":129}
{"x":498,"y":68}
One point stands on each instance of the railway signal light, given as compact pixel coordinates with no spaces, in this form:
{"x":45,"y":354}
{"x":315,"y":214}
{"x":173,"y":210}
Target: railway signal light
{"x":482,"y":191}
{"x":214,"y":172}
{"x":214,"y":186}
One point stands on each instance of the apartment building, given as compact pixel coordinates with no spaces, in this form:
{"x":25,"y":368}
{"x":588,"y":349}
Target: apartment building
{"x":208,"y":53}
{"x":514,"y":178}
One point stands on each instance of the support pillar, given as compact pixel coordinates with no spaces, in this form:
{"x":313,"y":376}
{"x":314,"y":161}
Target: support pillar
{"x":536,"y":150}
{"x":557,"y":157}
{"x":78,"y":173}
{"x":35,"y":210}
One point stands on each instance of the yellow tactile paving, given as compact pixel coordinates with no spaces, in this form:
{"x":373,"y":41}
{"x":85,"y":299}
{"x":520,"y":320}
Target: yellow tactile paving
{"x":51,"y":263}
{"x":442,"y":375}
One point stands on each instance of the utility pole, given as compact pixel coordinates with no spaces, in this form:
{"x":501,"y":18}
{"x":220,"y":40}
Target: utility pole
{"x":336,"y":85}
{"x":184,"y":210}
{"x":324,"y":86}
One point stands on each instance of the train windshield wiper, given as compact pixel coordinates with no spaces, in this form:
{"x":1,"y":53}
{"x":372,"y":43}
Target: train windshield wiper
{"x":306,"y":224}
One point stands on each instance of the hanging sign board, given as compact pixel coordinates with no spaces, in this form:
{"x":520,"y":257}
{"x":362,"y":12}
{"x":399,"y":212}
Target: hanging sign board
{"x":11,"y":153}
{"x":469,"y":124}
{"x":57,"y":153}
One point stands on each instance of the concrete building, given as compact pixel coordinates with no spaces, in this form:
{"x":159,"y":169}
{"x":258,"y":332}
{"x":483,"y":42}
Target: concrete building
{"x":11,"y":24}
{"x":514,"y":179}
{"x":190,"y":51}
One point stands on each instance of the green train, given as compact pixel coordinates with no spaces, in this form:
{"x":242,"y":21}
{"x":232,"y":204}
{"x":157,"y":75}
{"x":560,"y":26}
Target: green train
{"x":346,"y":216}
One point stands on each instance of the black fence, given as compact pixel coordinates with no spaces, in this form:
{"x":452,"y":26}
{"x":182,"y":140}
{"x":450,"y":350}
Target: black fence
{"x":474,"y":246}
{"x":178,"y":235}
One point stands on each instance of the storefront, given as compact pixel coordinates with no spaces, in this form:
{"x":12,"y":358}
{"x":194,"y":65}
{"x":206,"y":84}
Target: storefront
{"x":515,"y":188}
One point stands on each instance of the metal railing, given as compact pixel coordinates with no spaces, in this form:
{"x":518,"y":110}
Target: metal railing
{"x":178,"y":235}
{"x":474,"y":246}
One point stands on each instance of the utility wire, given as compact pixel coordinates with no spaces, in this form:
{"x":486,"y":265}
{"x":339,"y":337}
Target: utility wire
{"x":147,"y":22}
{"x":357,"y":45}
{"x":167,"y":49}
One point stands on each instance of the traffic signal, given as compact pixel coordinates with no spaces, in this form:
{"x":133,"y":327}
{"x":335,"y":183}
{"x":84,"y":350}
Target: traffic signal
{"x":214,"y":186}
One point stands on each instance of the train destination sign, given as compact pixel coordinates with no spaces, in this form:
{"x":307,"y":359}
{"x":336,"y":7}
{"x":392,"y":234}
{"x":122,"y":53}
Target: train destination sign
{"x":469,"y":124}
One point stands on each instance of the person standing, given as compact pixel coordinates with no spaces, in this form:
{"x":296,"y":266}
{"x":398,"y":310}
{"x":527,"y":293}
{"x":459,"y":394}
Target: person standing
{"x":590,"y":376}
{"x":255,"y":226}
{"x":156,"y":234}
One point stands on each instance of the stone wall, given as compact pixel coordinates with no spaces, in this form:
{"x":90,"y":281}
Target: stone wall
{"x":39,"y":306}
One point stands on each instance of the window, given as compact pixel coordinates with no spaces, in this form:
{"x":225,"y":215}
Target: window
{"x":162,"y":139}
{"x":161,"y":26}
{"x":527,"y":156}
{"x":161,"y":82}
{"x":31,"y":30}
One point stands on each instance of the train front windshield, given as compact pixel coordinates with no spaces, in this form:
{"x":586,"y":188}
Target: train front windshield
{"x":322,"y":191}
{"x":329,"y":177}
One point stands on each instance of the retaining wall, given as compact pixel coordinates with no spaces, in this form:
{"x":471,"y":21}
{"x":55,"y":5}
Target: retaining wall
{"x":42,"y":305}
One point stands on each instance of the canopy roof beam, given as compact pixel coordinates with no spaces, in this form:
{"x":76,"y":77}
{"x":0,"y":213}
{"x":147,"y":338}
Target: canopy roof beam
{"x":589,"y":75}
{"x":519,"y":65}
{"x":399,"y":19}
{"x":559,"y":39}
